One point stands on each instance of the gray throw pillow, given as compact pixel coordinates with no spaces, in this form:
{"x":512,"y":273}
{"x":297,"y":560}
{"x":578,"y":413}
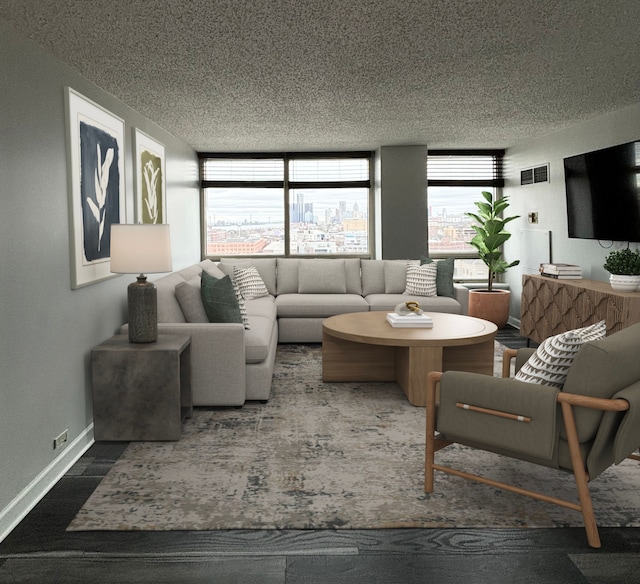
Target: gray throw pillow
{"x":189,"y":298}
{"x":444,"y":275}
{"x":219,"y":299}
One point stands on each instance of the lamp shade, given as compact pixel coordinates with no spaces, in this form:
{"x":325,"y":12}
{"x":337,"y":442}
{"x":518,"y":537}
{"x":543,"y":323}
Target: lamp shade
{"x":138,"y":249}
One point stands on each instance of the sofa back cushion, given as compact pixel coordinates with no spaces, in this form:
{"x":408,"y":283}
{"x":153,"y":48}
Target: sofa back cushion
{"x":190,"y":300}
{"x":168,"y":308}
{"x":318,"y":276}
{"x":384,"y":276}
{"x":287,"y":276}
{"x":266,"y":268}
{"x":395,"y":276}
{"x":322,"y":277}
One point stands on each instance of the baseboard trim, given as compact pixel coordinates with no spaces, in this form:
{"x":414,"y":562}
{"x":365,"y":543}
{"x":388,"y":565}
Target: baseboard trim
{"x":28,"y":498}
{"x":514,"y":322}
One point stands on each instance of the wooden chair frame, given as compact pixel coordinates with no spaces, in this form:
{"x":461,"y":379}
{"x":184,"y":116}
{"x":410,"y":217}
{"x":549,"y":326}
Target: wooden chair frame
{"x":567,"y":402}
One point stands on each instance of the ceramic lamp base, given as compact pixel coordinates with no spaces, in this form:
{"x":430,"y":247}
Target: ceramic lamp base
{"x":143,"y":311}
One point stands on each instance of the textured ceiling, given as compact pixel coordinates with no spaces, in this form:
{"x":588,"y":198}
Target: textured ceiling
{"x":254,"y":75}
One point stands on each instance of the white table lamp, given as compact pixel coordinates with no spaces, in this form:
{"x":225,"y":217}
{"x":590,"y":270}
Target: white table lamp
{"x":141,"y":249}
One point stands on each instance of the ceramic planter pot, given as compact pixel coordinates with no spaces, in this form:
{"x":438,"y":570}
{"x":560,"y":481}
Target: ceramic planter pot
{"x":492,"y":306}
{"x":624,"y":283}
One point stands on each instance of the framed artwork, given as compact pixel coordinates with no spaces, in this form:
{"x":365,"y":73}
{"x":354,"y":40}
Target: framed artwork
{"x":95,"y":160}
{"x":151,"y":200}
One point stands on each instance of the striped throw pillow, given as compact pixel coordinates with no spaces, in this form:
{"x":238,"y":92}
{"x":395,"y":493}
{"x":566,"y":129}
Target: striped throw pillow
{"x":550,"y":363}
{"x":421,"y":280}
{"x":250,"y":283}
{"x":243,"y":307}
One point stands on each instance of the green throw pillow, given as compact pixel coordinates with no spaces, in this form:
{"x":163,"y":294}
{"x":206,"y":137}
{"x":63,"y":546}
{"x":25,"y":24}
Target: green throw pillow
{"x":444,"y":276}
{"x":219,"y":299}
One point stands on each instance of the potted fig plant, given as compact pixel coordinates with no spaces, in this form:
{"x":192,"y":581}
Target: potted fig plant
{"x":624,"y":267}
{"x":490,"y":236}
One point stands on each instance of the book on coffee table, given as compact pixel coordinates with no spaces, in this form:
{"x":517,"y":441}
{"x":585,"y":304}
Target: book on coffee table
{"x":409,"y":320}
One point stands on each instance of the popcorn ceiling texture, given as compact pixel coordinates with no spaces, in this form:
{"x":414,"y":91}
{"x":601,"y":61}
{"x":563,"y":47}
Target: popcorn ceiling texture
{"x":251,"y":75}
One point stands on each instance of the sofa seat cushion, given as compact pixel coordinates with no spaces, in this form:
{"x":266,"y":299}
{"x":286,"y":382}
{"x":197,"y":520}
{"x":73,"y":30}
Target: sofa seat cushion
{"x":256,"y":339}
{"x":428,"y":303}
{"x":319,"y":305}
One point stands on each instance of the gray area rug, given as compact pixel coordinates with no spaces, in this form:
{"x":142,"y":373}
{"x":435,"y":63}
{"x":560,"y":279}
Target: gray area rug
{"x":329,"y":455}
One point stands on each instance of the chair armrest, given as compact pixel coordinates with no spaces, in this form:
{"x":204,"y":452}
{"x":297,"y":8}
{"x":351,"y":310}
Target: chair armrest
{"x":498,"y":413}
{"x":520,"y":355}
{"x":507,"y":356}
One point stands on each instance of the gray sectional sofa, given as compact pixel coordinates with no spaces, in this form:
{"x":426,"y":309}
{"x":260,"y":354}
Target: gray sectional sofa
{"x":231,"y":364}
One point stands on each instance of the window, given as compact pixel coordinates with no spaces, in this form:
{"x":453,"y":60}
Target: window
{"x":455,"y":179}
{"x":286,"y":204}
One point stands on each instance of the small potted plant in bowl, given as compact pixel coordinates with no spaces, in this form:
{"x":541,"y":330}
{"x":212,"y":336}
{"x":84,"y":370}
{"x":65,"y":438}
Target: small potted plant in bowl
{"x":490,"y":235}
{"x":624,"y":267}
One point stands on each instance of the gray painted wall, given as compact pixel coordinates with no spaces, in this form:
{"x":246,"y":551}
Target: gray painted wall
{"x":548,"y":199}
{"x":47,"y":328}
{"x":401,"y":178}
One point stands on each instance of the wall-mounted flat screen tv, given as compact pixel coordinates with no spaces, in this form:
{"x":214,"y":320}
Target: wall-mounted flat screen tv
{"x":603,"y":193}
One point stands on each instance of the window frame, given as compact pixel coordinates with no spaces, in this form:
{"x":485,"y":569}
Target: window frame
{"x":497,"y":182}
{"x":287,"y":186}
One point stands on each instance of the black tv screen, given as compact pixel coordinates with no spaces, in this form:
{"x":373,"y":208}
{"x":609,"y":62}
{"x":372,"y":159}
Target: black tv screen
{"x":603,"y":193}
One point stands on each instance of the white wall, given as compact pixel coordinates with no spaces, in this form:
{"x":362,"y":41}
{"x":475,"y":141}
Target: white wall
{"x":47,"y":329}
{"x":548,"y":199}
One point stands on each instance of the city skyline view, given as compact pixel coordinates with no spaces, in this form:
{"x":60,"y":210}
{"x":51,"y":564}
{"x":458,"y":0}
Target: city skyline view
{"x":240,"y":206}
{"x":249,"y":221}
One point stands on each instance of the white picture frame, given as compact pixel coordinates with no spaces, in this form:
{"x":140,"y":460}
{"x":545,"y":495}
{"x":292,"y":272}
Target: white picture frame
{"x":149,"y":165}
{"x":95,"y":160}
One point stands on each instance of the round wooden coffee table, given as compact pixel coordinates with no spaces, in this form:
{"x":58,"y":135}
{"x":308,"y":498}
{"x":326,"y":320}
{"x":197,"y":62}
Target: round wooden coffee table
{"x":363,"y":346}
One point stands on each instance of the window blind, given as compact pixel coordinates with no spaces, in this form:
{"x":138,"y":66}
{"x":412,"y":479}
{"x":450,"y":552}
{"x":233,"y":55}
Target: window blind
{"x":451,"y":168}
{"x":243,"y":169}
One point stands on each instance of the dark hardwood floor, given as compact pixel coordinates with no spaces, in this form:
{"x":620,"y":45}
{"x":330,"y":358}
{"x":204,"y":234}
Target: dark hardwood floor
{"x":40,"y":551}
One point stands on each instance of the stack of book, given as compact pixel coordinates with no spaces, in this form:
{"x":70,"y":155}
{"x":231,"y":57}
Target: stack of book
{"x":561,"y":271}
{"x":412,"y":320}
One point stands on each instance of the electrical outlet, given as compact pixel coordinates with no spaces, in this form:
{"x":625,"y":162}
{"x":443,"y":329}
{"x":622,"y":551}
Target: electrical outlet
{"x":61,"y":439}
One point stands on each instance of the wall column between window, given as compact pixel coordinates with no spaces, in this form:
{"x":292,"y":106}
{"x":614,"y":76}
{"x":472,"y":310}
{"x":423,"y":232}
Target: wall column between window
{"x":401,"y":189}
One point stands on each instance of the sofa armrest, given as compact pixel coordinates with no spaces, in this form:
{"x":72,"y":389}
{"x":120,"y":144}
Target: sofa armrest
{"x":461,"y":294}
{"x":217,"y":361}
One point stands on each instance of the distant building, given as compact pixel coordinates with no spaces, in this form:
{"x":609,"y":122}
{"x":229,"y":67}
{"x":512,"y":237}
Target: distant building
{"x":354,"y":225}
{"x":236,"y":247}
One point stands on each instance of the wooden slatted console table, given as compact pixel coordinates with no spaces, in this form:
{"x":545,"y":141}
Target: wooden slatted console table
{"x":551,"y":306}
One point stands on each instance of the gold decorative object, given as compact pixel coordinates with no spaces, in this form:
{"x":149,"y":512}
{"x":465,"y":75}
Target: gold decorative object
{"x":410,"y":307}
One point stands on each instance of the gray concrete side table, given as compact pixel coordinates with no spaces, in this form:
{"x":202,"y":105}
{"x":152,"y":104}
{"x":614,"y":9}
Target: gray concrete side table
{"x":141,"y":391}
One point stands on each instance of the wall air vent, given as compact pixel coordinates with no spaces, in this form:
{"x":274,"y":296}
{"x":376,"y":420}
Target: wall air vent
{"x":537,"y":174}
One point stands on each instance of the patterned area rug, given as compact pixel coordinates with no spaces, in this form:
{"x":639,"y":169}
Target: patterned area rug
{"x":328,"y":455}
